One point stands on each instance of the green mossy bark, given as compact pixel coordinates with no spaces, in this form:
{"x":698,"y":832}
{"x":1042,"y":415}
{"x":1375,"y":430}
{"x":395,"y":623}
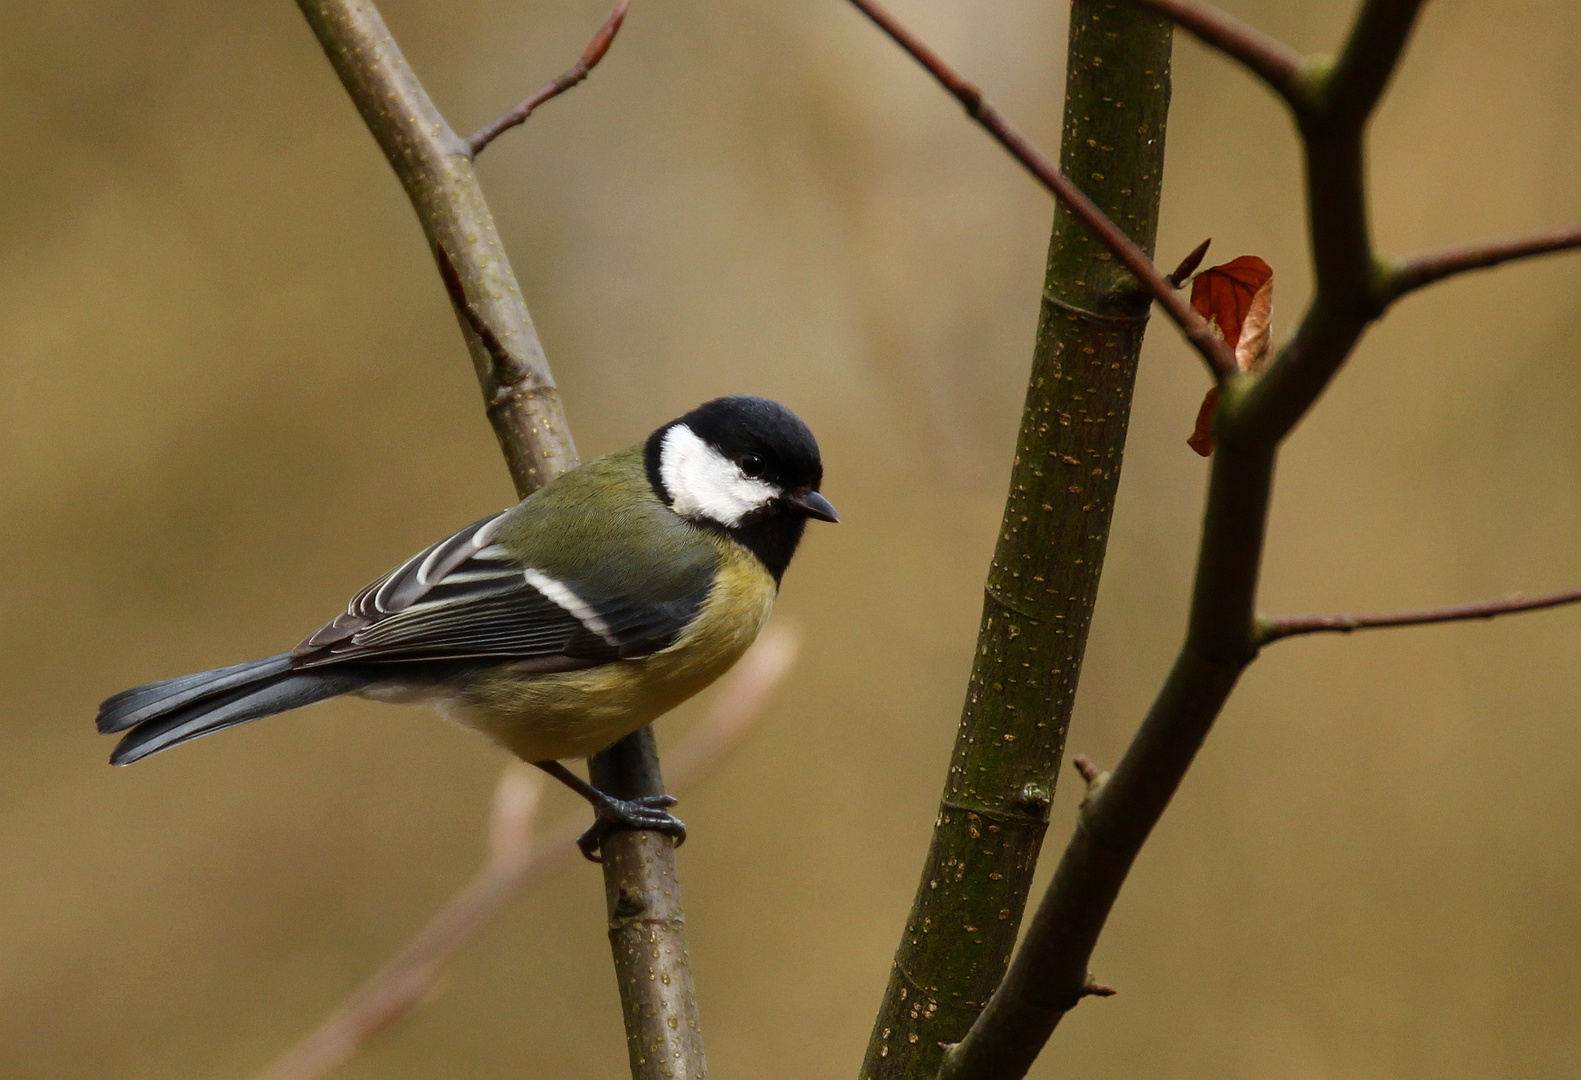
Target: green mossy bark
{"x":1043,"y":581}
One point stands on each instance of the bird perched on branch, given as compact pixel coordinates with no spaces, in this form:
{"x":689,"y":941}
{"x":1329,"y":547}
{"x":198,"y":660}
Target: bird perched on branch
{"x":556,"y":627}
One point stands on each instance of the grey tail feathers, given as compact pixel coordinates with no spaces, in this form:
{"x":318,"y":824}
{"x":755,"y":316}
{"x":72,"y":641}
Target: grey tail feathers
{"x":164,"y":714}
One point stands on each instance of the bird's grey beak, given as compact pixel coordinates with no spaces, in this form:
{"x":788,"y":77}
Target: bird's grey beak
{"x":813,"y":505}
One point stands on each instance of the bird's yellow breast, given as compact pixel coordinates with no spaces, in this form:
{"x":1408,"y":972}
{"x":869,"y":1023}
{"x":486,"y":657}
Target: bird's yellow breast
{"x":577,"y":713}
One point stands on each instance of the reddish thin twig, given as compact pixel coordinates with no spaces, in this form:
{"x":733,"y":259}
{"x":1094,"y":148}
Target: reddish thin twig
{"x":1274,"y":629}
{"x":1203,"y":338}
{"x":517,"y":860}
{"x":1430,"y":266}
{"x":1276,"y":63}
{"x":555,"y":87}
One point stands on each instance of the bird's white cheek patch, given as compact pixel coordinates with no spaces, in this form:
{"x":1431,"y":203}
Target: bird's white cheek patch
{"x":704,"y":483}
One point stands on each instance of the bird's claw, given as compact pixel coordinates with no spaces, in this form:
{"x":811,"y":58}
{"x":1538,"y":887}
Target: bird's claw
{"x":647,"y":813}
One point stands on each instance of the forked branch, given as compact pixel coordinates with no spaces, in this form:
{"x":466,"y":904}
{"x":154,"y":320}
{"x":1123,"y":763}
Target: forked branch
{"x":435,"y":168}
{"x":1048,"y":975}
{"x":1343,"y":93}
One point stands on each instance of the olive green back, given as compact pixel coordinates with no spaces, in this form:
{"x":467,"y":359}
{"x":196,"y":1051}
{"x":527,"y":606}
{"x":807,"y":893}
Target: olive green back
{"x":602,"y":527}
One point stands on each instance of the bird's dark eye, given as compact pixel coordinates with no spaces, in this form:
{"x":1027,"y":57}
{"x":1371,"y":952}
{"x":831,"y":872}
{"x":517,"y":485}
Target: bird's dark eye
{"x":751,"y":465}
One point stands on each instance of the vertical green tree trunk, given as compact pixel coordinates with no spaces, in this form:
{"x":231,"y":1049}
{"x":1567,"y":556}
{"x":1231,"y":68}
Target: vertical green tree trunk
{"x":1044,"y":577}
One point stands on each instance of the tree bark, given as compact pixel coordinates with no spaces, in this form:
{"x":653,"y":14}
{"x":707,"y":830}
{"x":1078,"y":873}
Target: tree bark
{"x":1043,"y":580}
{"x":647,"y":928}
{"x":434,"y":165}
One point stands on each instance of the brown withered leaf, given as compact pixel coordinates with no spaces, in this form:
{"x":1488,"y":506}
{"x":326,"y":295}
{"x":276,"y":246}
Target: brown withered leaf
{"x":1251,"y":351}
{"x":1223,"y":294}
{"x":1237,"y":299}
{"x":1202,"y":437}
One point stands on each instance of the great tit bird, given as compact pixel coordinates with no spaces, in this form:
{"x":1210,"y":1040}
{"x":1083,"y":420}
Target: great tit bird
{"x":560,"y":625}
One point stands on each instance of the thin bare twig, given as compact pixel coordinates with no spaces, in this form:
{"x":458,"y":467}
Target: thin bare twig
{"x":1276,"y":63}
{"x":555,"y":87}
{"x":1291,"y":626}
{"x":1430,"y":266}
{"x":517,"y":860}
{"x":432,"y":164}
{"x":1202,"y":337}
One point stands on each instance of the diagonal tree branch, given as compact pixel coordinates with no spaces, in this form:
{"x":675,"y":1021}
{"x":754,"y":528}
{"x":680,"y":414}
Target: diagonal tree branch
{"x":555,"y":87}
{"x":435,"y":167}
{"x":517,"y":861}
{"x":1048,"y":974}
{"x":1209,"y":345}
{"x":1350,"y":92}
{"x":1332,"y":105}
{"x":1351,"y":287}
{"x":1417,"y":271}
{"x":1272,"y":630}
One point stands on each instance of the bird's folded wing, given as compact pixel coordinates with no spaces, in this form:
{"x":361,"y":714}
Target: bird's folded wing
{"x":467,"y":597}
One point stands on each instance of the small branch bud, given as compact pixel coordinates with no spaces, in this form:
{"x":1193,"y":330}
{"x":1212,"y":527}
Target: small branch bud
{"x":1095,"y":778}
{"x":1189,"y":264}
{"x":1093,"y":988}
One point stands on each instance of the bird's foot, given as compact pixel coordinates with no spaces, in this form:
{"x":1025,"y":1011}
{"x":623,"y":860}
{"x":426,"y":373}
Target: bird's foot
{"x":647,"y":813}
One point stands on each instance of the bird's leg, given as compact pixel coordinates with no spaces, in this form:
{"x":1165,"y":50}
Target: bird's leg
{"x":648,"y":812}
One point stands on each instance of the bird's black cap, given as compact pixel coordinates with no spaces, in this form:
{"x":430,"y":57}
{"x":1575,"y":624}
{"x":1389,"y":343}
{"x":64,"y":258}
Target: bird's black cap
{"x":742,"y":424}
{"x":742,"y":427}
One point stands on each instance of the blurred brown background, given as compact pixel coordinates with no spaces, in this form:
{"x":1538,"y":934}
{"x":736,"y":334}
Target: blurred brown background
{"x":231,"y":391}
